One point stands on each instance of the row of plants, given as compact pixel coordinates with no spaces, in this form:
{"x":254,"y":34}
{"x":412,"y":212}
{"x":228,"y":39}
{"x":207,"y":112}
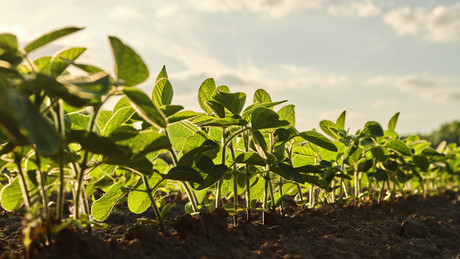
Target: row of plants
{"x":66,"y":160}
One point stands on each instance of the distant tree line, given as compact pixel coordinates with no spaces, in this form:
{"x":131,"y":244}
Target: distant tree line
{"x":450,"y":132}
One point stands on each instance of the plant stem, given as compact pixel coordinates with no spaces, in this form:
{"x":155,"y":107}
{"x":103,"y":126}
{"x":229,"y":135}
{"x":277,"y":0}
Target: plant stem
{"x":248,"y":180}
{"x":44,"y":196}
{"x":22,"y":182}
{"x":219,"y":183}
{"x":154,"y":204}
{"x":190,"y":194}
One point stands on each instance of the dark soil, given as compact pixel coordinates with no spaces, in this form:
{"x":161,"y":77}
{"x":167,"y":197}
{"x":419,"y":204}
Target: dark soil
{"x":407,"y":228}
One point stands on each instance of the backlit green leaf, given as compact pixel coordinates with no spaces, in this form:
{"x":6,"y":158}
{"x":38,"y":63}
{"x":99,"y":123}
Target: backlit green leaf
{"x":263,"y":118}
{"x":261,"y":96}
{"x":184,"y":173}
{"x":340,"y":123}
{"x":319,"y":140}
{"x":49,"y":37}
{"x":129,"y":66}
{"x":398,"y":146}
{"x":145,"y":108}
{"x":205,"y":93}
{"x":11,"y":196}
{"x":234,"y":102}
{"x":102,"y":207}
{"x":162,"y":93}
{"x":288,"y":113}
{"x":392,"y":122}
{"x":58,"y":61}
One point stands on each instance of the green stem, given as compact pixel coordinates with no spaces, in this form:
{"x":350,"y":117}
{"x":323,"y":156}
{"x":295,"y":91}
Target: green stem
{"x":42,"y":183}
{"x":190,"y":194}
{"x":248,"y":180}
{"x":23,"y":182}
{"x":153,"y":202}
{"x":80,"y":174}
{"x":61,"y":192}
{"x":219,"y":183}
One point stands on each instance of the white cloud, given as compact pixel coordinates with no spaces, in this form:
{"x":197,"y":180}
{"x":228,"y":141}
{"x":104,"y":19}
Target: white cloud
{"x":441,"y":23}
{"x":438,"y":88}
{"x":274,"y":8}
{"x":365,"y":8}
{"x":124,"y":12}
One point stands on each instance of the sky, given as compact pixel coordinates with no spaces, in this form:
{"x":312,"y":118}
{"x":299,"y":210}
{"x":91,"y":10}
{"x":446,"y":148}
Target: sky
{"x":372,"y":58}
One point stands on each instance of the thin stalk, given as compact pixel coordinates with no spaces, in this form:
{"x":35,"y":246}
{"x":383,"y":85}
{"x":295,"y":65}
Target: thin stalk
{"x":342,"y":169}
{"x":299,"y":190}
{"x":235,"y":182}
{"x":153,"y":202}
{"x":187,"y":187}
{"x":44,"y":196}
{"x":80,"y":174}
{"x":272,"y":193}
{"x":219,"y":183}
{"x":248,"y":180}
{"x":23,"y":182}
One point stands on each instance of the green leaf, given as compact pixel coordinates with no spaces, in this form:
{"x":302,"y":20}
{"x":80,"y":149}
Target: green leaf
{"x":315,"y":180}
{"x":392,"y":122}
{"x":211,"y":173}
{"x":399,"y":146}
{"x":138,"y":143}
{"x":138,"y":200}
{"x":216,"y":107}
{"x":260,"y":144}
{"x":223,"y":122}
{"x":431,"y":152}
{"x":234,"y":102}
{"x":164,"y":212}
{"x":380,"y":153}
{"x":8,"y":41}
{"x":39,"y":131}
{"x":250,"y":158}
{"x":319,"y":140}
{"x":309,"y":169}
{"x":162,"y":74}
{"x":205,"y":93}
{"x":43,"y":64}
{"x":422,"y":162}
{"x":57,"y":90}
{"x":49,"y":37}
{"x":11,"y":196}
{"x":372,"y":129}
{"x":88,"y":87}
{"x":145,"y":108}
{"x":96,"y":144}
{"x":178,"y":132}
{"x":288,"y":113}
{"x":129,"y":66}
{"x":380,"y":175}
{"x":263,"y":118}
{"x":162,"y":93}
{"x":102,"y":207}
{"x":248,"y":110}
{"x":58,"y":62}
{"x":329,"y":128}
{"x":79,"y":121}
{"x":121,"y":116}
{"x":184,"y":173}
{"x":180,"y":116}
{"x":287,"y":172}
{"x":340,"y":123}
{"x":170,"y":110}
{"x":261,"y":96}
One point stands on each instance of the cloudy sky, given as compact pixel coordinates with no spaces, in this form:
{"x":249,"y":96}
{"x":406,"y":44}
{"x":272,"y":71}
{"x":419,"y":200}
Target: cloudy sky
{"x":370,"y":58}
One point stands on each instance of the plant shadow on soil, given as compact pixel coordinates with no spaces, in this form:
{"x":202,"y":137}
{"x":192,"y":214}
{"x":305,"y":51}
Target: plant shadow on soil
{"x":410,"y":227}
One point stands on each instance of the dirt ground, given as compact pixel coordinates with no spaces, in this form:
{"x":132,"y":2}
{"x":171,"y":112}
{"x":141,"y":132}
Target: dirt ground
{"x":412,"y":227}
